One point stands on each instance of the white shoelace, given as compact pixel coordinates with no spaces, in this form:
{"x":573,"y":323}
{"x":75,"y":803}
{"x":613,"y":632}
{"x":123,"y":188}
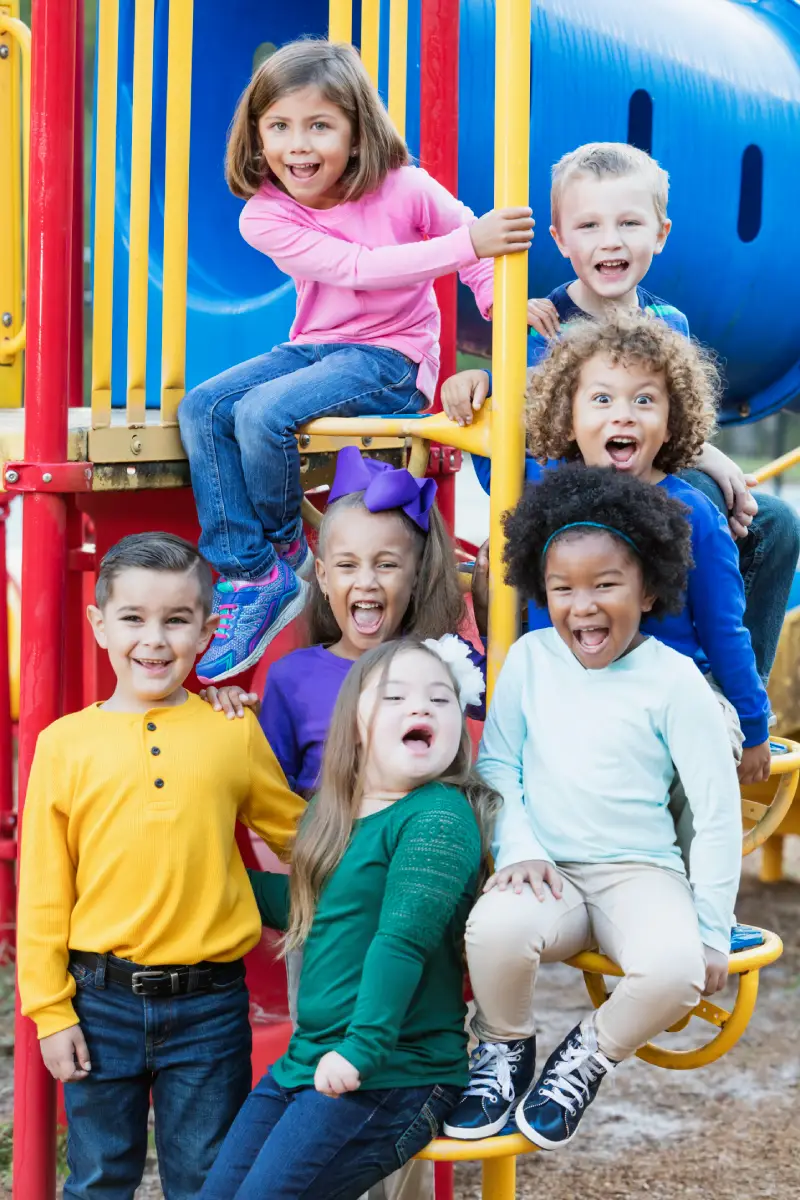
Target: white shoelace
{"x":570,"y":1080}
{"x":490,"y":1070}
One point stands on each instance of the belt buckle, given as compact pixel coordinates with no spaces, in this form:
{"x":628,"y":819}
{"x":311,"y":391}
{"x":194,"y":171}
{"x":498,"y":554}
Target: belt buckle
{"x":156,"y":976}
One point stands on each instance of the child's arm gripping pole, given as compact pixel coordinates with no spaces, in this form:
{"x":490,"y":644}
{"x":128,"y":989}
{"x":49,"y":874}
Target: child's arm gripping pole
{"x":512,"y":91}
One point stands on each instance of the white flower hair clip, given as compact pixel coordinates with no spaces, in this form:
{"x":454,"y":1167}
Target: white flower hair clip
{"x":468,"y":677}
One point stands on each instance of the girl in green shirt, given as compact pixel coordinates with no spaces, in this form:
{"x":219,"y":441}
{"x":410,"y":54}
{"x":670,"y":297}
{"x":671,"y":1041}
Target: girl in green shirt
{"x":385,"y":870}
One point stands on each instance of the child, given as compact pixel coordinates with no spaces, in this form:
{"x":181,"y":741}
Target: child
{"x":333,"y":202}
{"x":587,"y":724}
{"x":609,"y":218}
{"x":135,"y":909}
{"x":385,"y":870}
{"x":633,"y":394}
{"x":385,"y":569}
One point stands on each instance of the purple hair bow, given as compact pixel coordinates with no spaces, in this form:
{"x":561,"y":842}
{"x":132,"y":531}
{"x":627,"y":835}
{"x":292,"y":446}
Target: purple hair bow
{"x":383,"y":485}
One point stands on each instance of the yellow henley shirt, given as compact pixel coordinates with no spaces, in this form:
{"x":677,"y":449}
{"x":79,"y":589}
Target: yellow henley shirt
{"x":128,"y":844}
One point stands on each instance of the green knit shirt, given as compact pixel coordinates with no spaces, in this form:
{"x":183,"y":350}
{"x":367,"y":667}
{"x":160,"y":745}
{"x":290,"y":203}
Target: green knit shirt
{"x":382,"y":978}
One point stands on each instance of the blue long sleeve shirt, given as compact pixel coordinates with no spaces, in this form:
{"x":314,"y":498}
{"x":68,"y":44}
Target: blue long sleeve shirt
{"x":584,"y":759}
{"x":709,"y":629}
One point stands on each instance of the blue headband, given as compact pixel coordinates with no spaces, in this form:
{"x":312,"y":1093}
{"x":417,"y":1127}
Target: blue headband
{"x":589,"y":525}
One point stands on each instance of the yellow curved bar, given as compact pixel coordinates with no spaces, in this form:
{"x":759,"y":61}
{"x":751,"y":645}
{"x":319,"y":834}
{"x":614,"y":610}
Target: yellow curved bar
{"x":772,"y":816}
{"x":474,"y":438}
{"x":450,"y":1150}
{"x":777,"y":466}
{"x":140,"y":210}
{"x":371,"y":37}
{"x":176,"y":208}
{"x":340,"y":21}
{"x":512,"y":125}
{"x":398,"y":63}
{"x":745,"y":963}
{"x":104,"y":206}
{"x":16,"y":29}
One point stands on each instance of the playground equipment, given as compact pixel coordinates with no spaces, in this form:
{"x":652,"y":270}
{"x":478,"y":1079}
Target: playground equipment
{"x":90,"y":475}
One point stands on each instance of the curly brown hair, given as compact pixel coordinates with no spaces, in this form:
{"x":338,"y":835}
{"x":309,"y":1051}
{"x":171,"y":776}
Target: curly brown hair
{"x":692,"y":379}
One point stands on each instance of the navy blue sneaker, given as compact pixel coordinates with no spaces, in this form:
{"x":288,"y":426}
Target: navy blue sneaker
{"x":500,"y":1074}
{"x":251,"y":615}
{"x":551,"y":1113}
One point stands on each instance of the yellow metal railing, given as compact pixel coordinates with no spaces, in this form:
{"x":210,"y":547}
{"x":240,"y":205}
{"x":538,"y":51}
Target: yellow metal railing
{"x":778,"y":466}
{"x":15,"y":49}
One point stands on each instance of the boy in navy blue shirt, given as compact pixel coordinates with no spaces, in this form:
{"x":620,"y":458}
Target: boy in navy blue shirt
{"x":609,"y":218}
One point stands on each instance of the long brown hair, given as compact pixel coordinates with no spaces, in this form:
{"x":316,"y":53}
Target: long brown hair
{"x":437,"y":605}
{"x":325,"y":830}
{"x":340,"y":75}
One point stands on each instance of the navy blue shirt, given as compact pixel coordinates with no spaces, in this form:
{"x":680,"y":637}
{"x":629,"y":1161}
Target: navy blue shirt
{"x":710,"y":628}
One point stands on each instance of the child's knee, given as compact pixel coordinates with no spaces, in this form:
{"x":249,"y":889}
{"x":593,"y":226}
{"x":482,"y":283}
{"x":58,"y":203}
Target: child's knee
{"x":502,"y":925}
{"x":193,"y":408}
{"x":777,"y":522}
{"x":671,"y":978}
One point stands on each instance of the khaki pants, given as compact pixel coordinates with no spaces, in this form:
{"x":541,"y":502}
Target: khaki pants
{"x":414,"y":1181}
{"x":640,"y":915}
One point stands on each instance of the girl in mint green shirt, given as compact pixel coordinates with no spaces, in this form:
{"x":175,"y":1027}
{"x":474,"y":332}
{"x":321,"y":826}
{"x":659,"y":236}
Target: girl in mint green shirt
{"x":385,"y":870}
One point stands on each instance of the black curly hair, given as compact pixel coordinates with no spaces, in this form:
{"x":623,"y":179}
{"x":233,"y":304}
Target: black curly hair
{"x":653,"y":520}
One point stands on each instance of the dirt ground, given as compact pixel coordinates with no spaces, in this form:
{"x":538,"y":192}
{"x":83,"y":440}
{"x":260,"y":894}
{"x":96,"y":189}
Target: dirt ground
{"x":727,"y":1132}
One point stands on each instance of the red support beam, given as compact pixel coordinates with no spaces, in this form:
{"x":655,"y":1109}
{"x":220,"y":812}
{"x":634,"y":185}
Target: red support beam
{"x":44,"y":542}
{"x":439,"y":157}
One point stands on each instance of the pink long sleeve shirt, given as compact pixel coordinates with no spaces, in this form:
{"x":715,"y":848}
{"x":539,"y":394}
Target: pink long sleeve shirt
{"x":364,"y":270}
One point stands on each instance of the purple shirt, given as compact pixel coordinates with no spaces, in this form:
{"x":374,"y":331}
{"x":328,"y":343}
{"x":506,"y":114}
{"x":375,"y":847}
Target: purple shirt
{"x":298,"y":706}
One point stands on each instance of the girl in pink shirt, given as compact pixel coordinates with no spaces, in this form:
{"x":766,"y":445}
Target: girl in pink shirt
{"x":333,"y":201}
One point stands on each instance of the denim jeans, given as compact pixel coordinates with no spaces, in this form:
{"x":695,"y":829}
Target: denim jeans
{"x":300,"y":1145}
{"x":768,"y":561}
{"x":238,"y":433}
{"x":191,"y":1052}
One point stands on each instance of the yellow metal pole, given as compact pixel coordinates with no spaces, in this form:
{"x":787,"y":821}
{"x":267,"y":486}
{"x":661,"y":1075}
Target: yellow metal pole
{"x":105,"y":184}
{"x":140,"y":209}
{"x":370,"y":37}
{"x":778,"y":466}
{"x":512,"y":104}
{"x":340,"y":20}
{"x":499,"y":1179}
{"x":398,"y":63}
{"x":16,"y":38}
{"x":176,"y":209}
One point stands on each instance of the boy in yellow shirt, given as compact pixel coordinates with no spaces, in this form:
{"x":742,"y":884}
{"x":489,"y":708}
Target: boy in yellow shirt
{"x":135,"y":909}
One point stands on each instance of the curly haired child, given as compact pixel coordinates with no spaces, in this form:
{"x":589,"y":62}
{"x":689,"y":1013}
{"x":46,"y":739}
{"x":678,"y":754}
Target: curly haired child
{"x":588,"y":722}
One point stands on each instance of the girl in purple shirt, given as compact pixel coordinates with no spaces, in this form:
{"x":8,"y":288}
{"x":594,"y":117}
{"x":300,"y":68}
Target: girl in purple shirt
{"x":385,"y":568}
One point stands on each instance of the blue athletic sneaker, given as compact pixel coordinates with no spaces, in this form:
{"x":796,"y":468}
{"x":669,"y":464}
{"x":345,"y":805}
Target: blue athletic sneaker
{"x":298,"y":555}
{"x":550,"y":1114}
{"x":251,"y":615}
{"x":500,"y":1074}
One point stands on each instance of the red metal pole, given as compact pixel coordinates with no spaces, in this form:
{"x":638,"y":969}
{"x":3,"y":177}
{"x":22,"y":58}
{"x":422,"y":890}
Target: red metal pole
{"x":76,"y":306}
{"x":439,"y":156}
{"x":44,"y":545}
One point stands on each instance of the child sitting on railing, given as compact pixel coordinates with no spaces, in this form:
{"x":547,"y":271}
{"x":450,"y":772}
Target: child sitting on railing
{"x":588,"y":722}
{"x":333,"y":202}
{"x":385,"y":870}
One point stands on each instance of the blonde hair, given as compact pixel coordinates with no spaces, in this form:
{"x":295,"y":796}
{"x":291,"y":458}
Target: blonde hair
{"x":692,"y":379}
{"x":341,"y":77}
{"x":602,"y":159}
{"x":325,"y":830}
{"x":437,"y":604}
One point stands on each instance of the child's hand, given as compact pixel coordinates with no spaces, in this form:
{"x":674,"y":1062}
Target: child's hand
{"x":734,"y":484}
{"x":66,"y":1055}
{"x":716,"y":971}
{"x":335,"y":1075}
{"x":502,"y":231}
{"x":480,"y":590}
{"x":464,"y":393}
{"x":755,"y":764}
{"x":231,"y":700}
{"x":535,"y":871}
{"x":543,"y":316}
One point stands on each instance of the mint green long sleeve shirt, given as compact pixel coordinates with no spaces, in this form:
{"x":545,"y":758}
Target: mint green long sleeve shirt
{"x":382,"y":977}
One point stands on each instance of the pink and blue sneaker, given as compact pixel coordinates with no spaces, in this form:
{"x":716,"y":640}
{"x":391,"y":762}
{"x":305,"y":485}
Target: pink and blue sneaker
{"x":298,"y":555}
{"x":251,"y":615}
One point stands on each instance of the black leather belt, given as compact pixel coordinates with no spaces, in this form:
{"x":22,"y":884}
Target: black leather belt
{"x":160,"y":981}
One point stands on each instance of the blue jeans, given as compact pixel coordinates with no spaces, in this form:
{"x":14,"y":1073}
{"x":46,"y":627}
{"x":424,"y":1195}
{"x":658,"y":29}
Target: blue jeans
{"x":191,"y":1052}
{"x":292,"y":1144}
{"x":768,"y":561}
{"x":238,"y":433}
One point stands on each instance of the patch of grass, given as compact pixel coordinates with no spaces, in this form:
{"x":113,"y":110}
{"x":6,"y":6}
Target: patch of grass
{"x":6,"y":1144}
